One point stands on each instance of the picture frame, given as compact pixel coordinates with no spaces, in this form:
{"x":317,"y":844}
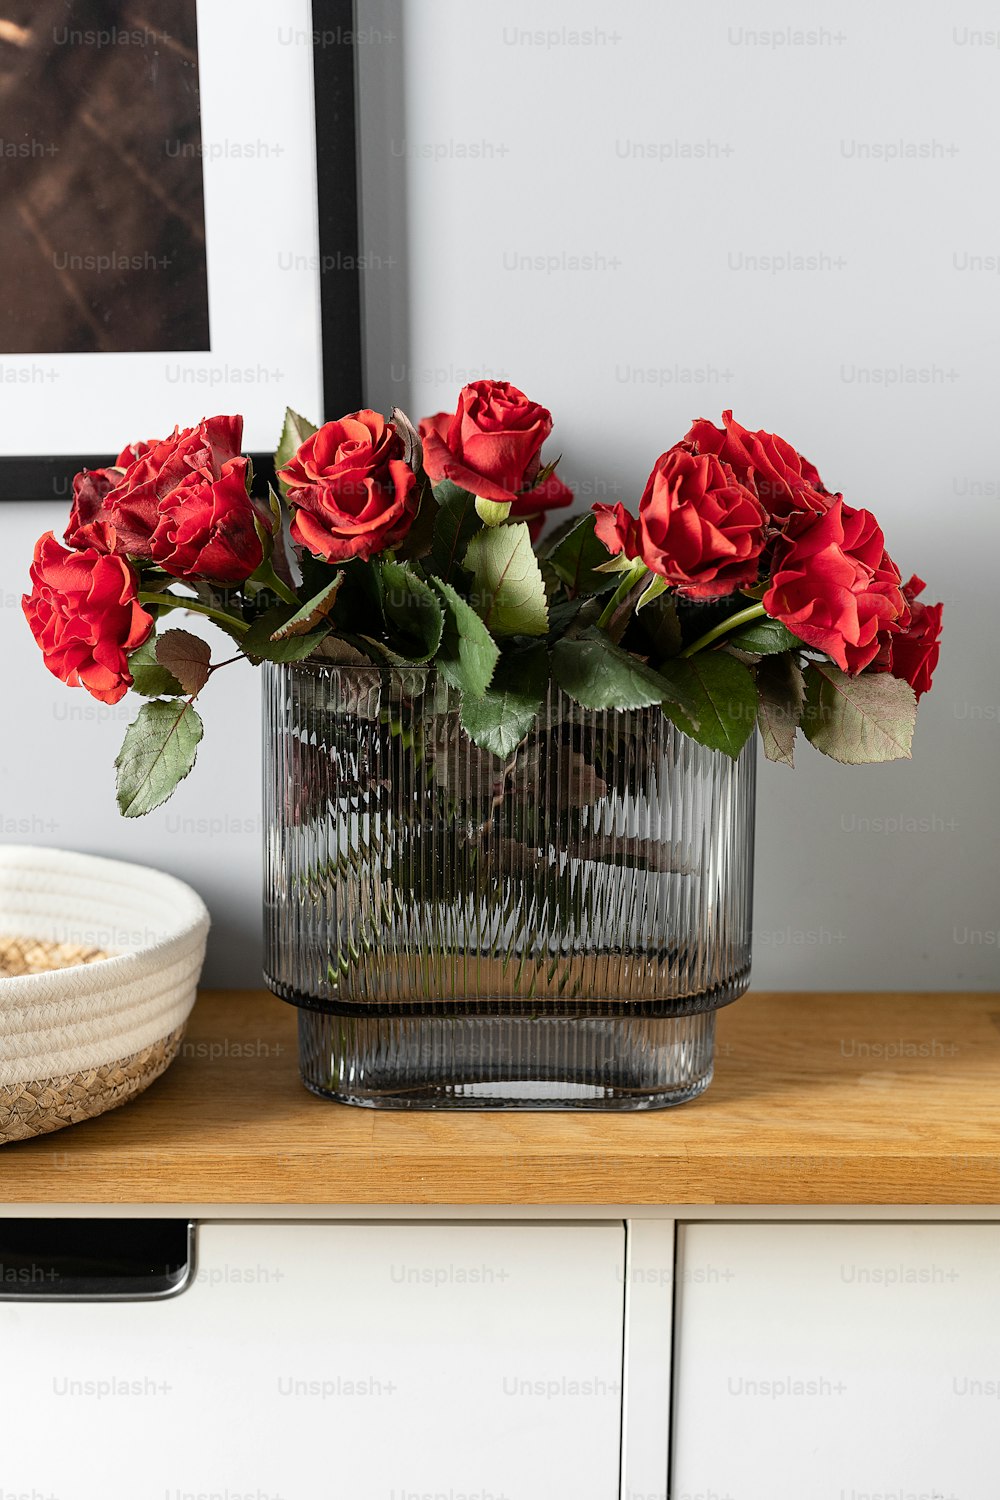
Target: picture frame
{"x":276,"y":283}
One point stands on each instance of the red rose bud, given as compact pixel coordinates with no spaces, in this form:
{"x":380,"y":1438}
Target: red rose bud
{"x":783,"y":481}
{"x":699,"y":527}
{"x":151,"y":471}
{"x":912,"y":650}
{"x":206,"y":527}
{"x":492,"y":446}
{"x":835,"y":586}
{"x":86,"y":617}
{"x":351,"y":491}
{"x":617,"y":529}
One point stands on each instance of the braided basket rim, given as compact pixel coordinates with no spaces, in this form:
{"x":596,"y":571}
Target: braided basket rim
{"x":42,"y":1105}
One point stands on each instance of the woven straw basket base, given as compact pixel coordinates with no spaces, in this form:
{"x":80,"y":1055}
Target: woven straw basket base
{"x":47,"y":1104}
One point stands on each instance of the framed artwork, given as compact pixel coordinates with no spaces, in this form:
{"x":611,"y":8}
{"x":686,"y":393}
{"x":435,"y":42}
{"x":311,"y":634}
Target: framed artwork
{"x":180,"y":226}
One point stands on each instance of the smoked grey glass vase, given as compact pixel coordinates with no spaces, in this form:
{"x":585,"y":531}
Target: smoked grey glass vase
{"x":552,"y":930}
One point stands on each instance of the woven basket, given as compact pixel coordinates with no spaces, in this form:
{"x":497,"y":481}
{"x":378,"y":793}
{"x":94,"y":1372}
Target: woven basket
{"x":99,"y":966}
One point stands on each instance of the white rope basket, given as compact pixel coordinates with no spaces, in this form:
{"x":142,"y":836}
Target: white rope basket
{"x":103,"y":1028}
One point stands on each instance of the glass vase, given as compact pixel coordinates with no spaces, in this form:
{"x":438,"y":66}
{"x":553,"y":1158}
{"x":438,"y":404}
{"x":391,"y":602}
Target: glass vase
{"x":552,"y":929}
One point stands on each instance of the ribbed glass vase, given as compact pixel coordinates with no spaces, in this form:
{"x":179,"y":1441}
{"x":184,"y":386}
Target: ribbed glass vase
{"x":552,"y":930}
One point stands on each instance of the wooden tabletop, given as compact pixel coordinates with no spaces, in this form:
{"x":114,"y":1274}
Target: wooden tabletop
{"x":817,"y":1099}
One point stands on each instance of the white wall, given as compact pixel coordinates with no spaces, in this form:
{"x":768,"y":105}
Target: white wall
{"x":484,"y":149}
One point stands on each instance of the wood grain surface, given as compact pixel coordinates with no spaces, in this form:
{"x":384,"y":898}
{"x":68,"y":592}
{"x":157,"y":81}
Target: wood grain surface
{"x":817,"y":1099}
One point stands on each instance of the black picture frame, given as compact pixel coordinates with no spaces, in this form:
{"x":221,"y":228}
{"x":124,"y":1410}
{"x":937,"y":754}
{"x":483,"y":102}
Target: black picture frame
{"x":49,"y":477}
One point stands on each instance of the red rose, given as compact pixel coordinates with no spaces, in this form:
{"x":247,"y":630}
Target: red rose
{"x":617,"y":529}
{"x":350,"y":489}
{"x":698,"y":526}
{"x":135,"y":450}
{"x":534,"y":504}
{"x":492,"y":446}
{"x":206,"y":527}
{"x":911,"y":651}
{"x":782,"y":479}
{"x":91,"y":488}
{"x":86,"y":617}
{"x":150,"y":472}
{"x":834,"y":584}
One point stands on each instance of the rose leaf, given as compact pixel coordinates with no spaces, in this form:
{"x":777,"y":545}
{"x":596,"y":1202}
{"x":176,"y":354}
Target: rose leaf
{"x":858,"y":720}
{"x":186,"y":657}
{"x":598,"y":674}
{"x":508,"y":590}
{"x":578,"y":556}
{"x":148,"y":677}
{"x":780,"y":693}
{"x":158,"y":752}
{"x":468,"y":653}
{"x":259,"y":644}
{"x":765,"y":637}
{"x":724,"y":696}
{"x":500,"y":718}
{"x":455,"y":525}
{"x":412,"y":609}
{"x":312,"y":613}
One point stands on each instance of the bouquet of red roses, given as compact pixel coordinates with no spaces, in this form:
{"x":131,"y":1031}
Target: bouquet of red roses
{"x":741,"y":592}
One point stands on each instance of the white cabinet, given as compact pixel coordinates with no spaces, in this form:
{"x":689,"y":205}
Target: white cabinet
{"x":332,"y":1362}
{"x":847,"y":1360}
{"x":504,"y":1360}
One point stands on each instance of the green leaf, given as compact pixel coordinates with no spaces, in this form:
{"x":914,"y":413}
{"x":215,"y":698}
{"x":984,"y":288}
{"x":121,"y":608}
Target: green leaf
{"x":577,"y":557}
{"x":724,"y":696}
{"x":599,"y":674}
{"x":546,"y":472}
{"x":158,"y":752}
{"x":552,"y":539}
{"x":661,"y":623}
{"x":455,"y":526}
{"x":187,"y":657}
{"x":499,"y":720}
{"x":359,"y":604}
{"x":343,"y":653}
{"x":379,"y":652}
{"x":858,"y":720}
{"x":468,"y":654}
{"x":311,"y":614}
{"x":293,"y":435}
{"x":274,"y":506}
{"x":552,"y":583}
{"x":149,"y":678}
{"x":780,"y":693}
{"x":412,"y":608}
{"x":508,"y":590}
{"x":765,"y":637}
{"x":259,"y":643}
{"x":657,"y":585}
{"x":620,"y":563}
{"x":570,"y":616}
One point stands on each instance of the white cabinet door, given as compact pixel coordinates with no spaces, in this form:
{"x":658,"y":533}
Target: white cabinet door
{"x":840,"y":1360}
{"x":331,"y":1362}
